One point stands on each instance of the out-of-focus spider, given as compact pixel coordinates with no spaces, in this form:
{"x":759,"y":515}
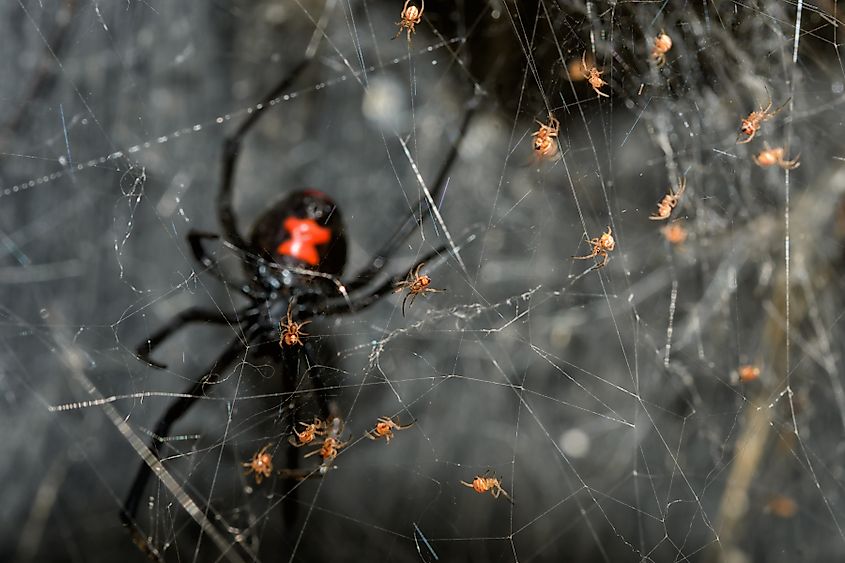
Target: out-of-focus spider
{"x":410,"y":17}
{"x":748,"y":373}
{"x":593,"y":76}
{"x":662,"y":44}
{"x":774,"y":157}
{"x":261,"y":464}
{"x":415,"y":284}
{"x":484,"y":483}
{"x":577,"y":69}
{"x":545,"y":143}
{"x":751,"y":124}
{"x":291,"y":331}
{"x":669,"y":201}
{"x":384,"y":429}
{"x":674,"y":233}
{"x":316,"y":428}
{"x":601,"y":246}
{"x":781,"y":506}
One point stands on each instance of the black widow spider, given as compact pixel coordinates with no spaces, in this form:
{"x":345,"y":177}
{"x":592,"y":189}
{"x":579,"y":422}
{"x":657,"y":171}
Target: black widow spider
{"x":294,"y":256}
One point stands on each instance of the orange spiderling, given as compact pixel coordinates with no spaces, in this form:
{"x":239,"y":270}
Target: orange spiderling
{"x":261,"y":465}
{"x":384,"y":429}
{"x":482,"y":484}
{"x":593,"y":76}
{"x":601,"y":247}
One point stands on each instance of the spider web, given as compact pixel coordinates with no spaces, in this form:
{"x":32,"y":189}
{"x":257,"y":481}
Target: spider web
{"x":607,"y":401}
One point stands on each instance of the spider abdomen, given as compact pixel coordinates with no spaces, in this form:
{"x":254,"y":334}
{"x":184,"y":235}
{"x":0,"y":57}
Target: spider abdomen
{"x":305,"y":230}
{"x":304,"y":236}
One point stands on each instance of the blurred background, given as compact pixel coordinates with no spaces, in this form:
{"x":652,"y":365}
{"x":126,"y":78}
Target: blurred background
{"x":683,"y":403}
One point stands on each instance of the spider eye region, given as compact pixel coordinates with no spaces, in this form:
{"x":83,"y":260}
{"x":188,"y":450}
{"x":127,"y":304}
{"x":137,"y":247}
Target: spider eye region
{"x":304,"y":237}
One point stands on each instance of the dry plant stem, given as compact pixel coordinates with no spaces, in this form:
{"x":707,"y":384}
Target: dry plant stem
{"x":749,"y":451}
{"x":753,"y":450}
{"x":752,"y":444}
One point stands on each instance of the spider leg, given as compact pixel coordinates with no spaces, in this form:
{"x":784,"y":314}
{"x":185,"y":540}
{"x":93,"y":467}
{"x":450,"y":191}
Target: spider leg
{"x":791,"y":164}
{"x":603,"y":263}
{"x":682,"y":185}
{"x":319,"y":384}
{"x":413,"y":297}
{"x":417,"y":214}
{"x":404,"y":427}
{"x":290,"y":509}
{"x":777,"y":110}
{"x":293,"y":442}
{"x":231,"y":151}
{"x":315,"y":452}
{"x":410,"y":295}
{"x":182,"y":319}
{"x":748,"y":140}
{"x":290,"y":362}
{"x":162,"y":429}
{"x":340,"y":305}
{"x":505,"y":494}
{"x":195,"y":239}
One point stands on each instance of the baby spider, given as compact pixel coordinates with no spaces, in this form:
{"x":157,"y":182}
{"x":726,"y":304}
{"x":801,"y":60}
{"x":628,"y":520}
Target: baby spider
{"x":577,"y":69}
{"x":593,"y":76}
{"x":331,"y":444}
{"x":668,"y":203}
{"x":415,"y":284}
{"x":674,"y":233}
{"x":482,"y":483}
{"x":545,"y":144}
{"x":261,"y":464}
{"x":291,"y":332}
{"x":601,"y":246}
{"x":781,"y":506}
{"x":748,"y":373}
{"x":384,"y":429}
{"x":316,"y":428}
{"x":410,"y":16}
{"x":772,"y":157}
{"x":751,"y":124}
{"x":662,"y":44}
{"x":328,"y":449}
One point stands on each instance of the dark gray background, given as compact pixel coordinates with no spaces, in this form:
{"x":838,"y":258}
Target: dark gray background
{"x":558,"y":383}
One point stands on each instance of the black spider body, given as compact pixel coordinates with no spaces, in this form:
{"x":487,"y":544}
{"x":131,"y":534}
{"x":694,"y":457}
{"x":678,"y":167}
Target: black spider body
{"x":293,"y":259}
